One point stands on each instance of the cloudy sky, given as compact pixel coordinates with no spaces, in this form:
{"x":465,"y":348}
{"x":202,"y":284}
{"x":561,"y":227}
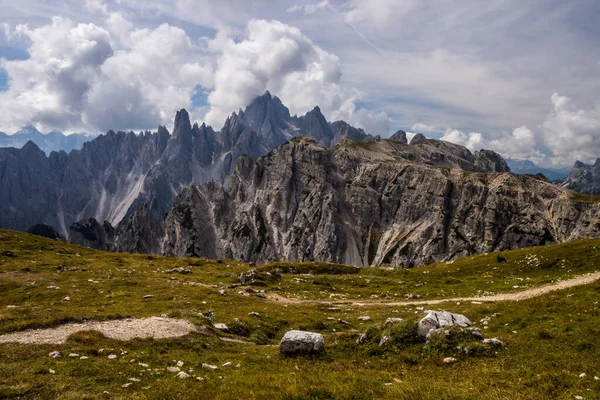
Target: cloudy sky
{"x":522,"y":78}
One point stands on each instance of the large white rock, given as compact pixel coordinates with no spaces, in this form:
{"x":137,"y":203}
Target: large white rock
{"x":301,"y":342}
{"x":441,"y":319}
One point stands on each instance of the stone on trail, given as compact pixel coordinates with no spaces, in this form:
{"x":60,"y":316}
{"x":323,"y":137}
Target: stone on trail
{"x":301,"y":342}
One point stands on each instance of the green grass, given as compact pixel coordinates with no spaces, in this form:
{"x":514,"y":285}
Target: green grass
{"x":557,"y":335}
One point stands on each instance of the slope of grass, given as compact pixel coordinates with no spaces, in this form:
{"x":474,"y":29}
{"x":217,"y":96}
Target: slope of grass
{"x":551,"y":340}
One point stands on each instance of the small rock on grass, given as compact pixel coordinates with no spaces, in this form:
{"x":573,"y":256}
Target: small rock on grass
{"x":173,"y":369}
{"x":449,"y":360}
{"x":51,"y":371}
{"x":112,"y":356}
{"x":182,"y":375}
{"x":227,"y":364}
{"x":364,"y":318}
{"x":494,"y":342}
{"x":148,"y":296}
{"x":73,"y":355}
{"x":209,"y":367}
{"x":54,"y":354}
{"x":180,"y":364}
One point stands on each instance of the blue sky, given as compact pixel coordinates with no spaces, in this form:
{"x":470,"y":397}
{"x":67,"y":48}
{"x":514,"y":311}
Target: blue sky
{"x":519,"y":77}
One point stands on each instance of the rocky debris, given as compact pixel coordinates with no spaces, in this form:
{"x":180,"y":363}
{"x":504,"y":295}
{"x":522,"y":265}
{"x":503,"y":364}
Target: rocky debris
{"x":449,"y":360}
{"x":51,"y":371}
{"x":148,"y":296}
{"x":180,"y":364}
{"x":221,"y":327}
{"x":67,"y":298}
{"x":391,"y":321}
{"x":364,"y":318}
{"x":411,"y":296}
{"x":209,"y":367}
{"x":9,"y":253}
{"x":222,"y":292}
{"x":495,"y":342}
{"x":296,"y":342}
{"x":112,"y":356}
{"x":180,"y":270}
{"x":173,"y":369}
{"x":440,"y":319}
{"x":73,"y":355}
{"x":362,"y":339}
{"x":247,"y":277}
{"x":183,"y":375}
{"x":54,"y":354}
{"x":226,"y":365}
{"x":134,"y":380}
{"x":253,"y":314}
{"x":384,"y":340}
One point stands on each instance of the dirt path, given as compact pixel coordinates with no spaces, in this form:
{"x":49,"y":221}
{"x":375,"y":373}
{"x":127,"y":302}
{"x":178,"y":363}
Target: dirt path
{"x":523,"y":295}
{"x":122,"y":329}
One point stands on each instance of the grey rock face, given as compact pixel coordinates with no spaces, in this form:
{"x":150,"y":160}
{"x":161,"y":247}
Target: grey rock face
{"x":301,"y":342}
{"x":584,"y":178}
{"x":418,"y":138}
{"x":440,"y":319}
{"x":377,"y":203}
{"x":90,"y":233}
{"x":46,"y":231}
{"x":399,"y":136}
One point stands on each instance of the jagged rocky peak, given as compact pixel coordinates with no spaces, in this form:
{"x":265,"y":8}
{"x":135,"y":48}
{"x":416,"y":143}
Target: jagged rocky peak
{"x":399,"y":136}
{"x":489,"y":160}
{"x":182,"y":127}
{"x":418,"y":138}
{"x":584,"y":178}
{"x":265,"y":113}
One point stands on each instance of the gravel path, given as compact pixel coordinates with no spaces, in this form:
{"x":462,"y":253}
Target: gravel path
{"x":522,"y":295}
{"x":123,"y":329}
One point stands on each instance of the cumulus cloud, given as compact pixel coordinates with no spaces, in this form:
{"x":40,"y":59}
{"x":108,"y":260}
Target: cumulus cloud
{"x":76,"y":78}
{"x":571,"y":133}
{"x":280,"y":58}
{"x":568,"y":134}
{"x":424,"y":128}
{"x":519,"y":144}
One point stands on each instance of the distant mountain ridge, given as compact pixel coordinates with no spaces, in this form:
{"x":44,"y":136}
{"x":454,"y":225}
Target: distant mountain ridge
{"x":49,"y":142}
{"x":528,"y":167}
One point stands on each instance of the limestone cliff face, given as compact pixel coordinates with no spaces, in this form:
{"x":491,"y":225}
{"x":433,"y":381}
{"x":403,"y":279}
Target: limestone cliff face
{"x":377,"y":203}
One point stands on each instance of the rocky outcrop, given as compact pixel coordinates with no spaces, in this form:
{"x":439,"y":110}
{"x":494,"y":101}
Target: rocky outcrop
{"x":584,"y":178}
{"x":301,"y":343}
{"x":440,"y":319}
{"x":90,"y":233}
{"x":418,"y":138}
{"x":46,"y":231}
{"x":399,"y":136}
{"x":377,"y":203}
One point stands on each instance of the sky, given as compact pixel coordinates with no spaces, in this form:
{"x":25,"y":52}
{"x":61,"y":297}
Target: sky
{"x":520,"y":78}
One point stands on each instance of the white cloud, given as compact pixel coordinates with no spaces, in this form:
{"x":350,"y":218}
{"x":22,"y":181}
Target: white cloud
{"x":76,"y":79}
{"x":520,"y":144}
{"x":570,"y":133}
{"x":279,"y":58}
{"x":310,"y":8}
{"x":424,"y":128}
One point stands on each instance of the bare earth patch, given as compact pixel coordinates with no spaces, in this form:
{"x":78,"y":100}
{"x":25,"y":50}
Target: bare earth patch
{"x":126,"y":329}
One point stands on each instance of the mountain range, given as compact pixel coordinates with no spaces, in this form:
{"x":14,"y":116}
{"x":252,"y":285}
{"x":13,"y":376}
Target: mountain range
{"x":584,"y":178}
{"x":49,"y":142}
{"x":116,"y":173}
{"x":271,"y":186}
{"x":526,"y":167}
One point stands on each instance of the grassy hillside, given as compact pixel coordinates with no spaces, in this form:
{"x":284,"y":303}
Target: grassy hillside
{"x":550,"y":340}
